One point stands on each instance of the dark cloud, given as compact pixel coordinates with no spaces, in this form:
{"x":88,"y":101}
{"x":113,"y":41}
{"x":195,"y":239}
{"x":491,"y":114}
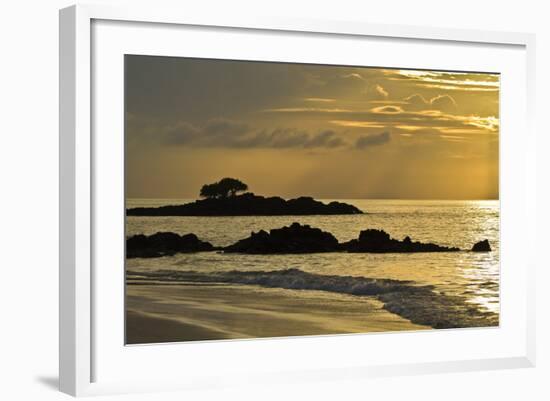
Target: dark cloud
{"x":185,"y":133}
{"x":277,"y":138}
{"x":367,"y":141}
{"x":220,"y":126}
{"x":326,"y":139}
{"x":224,"y":133}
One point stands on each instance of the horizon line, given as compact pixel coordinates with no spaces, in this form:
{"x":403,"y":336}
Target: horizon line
{"x":335,"y":198}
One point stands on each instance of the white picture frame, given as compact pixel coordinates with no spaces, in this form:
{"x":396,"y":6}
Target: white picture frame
{"x":78,"y":151}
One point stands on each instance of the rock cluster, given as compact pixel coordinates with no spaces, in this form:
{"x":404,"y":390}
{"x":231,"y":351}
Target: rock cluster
{"x":293,"y":239}
{"x":379,"y":241}
{"x":164,"y":244}
{"x":304,"y":239}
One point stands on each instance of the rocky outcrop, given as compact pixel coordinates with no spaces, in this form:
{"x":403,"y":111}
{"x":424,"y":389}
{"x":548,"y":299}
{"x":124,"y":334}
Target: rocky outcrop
{"x":293,"y":239}
{"x":482,"y":246}
{"x":248,"y":205}
{"x":379,"y":241}
{"x":164,"y":244}
{"x":304,"y":239}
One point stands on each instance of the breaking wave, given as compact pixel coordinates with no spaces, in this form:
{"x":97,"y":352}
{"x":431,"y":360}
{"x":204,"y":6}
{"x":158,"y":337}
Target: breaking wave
{"x":420,"y":304}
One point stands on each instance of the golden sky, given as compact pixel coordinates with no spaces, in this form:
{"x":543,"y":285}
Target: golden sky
{"x":332,"y":132}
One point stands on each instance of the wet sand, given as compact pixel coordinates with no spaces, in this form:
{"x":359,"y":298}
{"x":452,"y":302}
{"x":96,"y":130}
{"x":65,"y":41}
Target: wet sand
{"x":192,"y":312}
{"x":144,"y":328}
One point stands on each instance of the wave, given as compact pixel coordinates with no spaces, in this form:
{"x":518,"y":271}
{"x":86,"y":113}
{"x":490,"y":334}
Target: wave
{"x":418,"y":303}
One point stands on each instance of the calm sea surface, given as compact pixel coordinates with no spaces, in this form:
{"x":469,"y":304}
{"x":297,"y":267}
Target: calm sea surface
{"x":452,"y":223}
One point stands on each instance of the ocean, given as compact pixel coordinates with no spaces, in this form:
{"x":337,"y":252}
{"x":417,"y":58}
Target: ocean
{"x":472,"y":276}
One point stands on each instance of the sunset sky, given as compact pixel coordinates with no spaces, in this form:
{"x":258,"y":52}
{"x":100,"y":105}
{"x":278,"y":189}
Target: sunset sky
{"x":323,"y":131}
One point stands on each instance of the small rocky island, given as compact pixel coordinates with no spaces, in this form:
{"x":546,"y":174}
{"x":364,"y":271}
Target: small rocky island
{"x":222,"y":199}
{"x":294,"y":239}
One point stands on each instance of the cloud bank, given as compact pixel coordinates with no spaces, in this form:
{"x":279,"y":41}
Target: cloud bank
{"x":367,"y":141}
{"x":223,"y":133}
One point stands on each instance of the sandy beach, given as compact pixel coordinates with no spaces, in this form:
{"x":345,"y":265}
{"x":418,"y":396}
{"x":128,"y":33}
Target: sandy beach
{"x":191,"y":312}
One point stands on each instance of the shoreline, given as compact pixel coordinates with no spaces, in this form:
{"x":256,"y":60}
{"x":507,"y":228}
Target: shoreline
{"x":177,"y":313}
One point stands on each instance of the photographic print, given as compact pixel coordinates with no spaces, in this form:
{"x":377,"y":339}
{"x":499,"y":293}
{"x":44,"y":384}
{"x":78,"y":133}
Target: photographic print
{"x":270,"y":199}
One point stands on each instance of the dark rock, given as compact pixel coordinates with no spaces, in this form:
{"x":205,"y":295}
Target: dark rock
{"x":293,"y":239}
{"x":248,"y":205}
{"x":482,"y":246}
{"x":164,"y":244}
{"x":379,"y":241}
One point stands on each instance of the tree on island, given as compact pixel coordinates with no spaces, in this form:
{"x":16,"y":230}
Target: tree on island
{"x":224,"y":188}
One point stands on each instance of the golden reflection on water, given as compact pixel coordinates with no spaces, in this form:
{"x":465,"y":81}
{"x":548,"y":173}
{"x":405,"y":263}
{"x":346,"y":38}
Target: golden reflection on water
{"x":483,"y":273}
